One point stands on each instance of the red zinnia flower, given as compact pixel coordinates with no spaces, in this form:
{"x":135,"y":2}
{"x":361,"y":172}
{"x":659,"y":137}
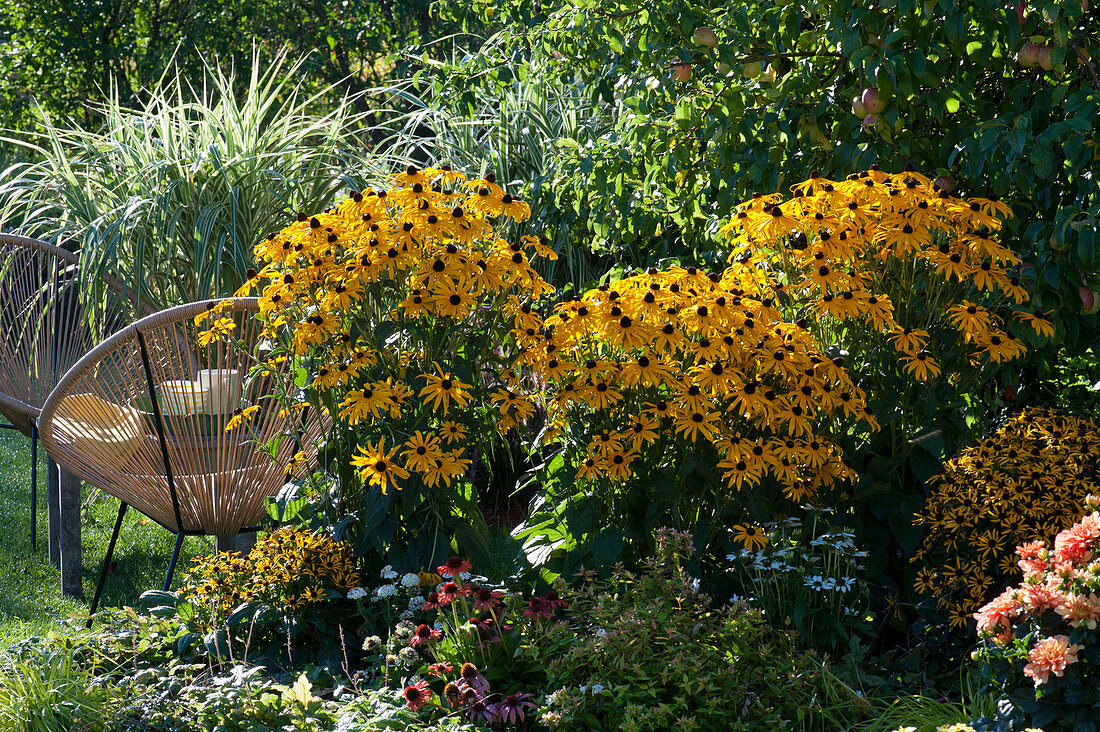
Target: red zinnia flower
{"x":417,"y":695}
{"x":425,"y":634}
{"x":454,"y":567}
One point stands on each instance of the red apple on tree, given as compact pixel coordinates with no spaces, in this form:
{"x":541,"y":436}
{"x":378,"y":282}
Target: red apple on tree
{"x":857,"y":107}
{"x":1090,"y":301}
{"x":871,"y":101}
{"x":681,"y":70}
{"x":705,"y":37}
{"x":1029,"y":55}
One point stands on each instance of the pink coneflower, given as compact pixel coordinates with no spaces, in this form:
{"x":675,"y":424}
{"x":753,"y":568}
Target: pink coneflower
{"x":553,"y":600}
{"x":1050,"y":656}
{"x":479,"y":711}
{"x":997,"y":612}
{"x":488,"y":630}
{"x":454,"y":566}
{"x":448,"y":592}
{"x":425,"y":634}
{"x":1079,"y":609}
{"x":512,"y":708}
{"x":417,"y":695}
{"x":485,"y":598}
{"x":433,"y":601}
{"x":472,"y":678}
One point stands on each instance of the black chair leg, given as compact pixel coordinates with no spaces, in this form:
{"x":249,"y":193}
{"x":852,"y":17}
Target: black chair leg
{"x":107,"y":560}
{"x":34,"y":488}
{"x":172,"y":564}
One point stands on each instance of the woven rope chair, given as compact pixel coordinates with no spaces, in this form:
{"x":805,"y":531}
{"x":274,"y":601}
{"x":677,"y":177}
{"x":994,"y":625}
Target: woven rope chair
{"x":48,"y":320}
{"x":129,"y":419}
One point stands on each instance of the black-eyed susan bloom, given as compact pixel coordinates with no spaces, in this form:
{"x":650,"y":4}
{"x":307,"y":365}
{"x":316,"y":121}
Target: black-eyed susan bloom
{"x":443,"y":388}
{"x":751,"y":536}
{"x":378,"y":467}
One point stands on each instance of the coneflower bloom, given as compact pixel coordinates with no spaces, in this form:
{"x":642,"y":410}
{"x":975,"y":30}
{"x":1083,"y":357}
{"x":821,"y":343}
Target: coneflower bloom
{"x":425,"y":634}
{"x":448,"y":592}
{"x":454,"y":567}
{"x":485,"y":598}
{"x":471,"y":678}
{"x":479,"y":711}
{"x":553,"y":600}
{"x":417,"y":695}
{"x":537,"y":608}
{"x":512,"y":708}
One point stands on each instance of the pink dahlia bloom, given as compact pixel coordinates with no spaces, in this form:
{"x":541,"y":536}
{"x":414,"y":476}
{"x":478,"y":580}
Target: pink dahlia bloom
{"x":1076,"y":543}
{"x":1034,"y":558}
{"x":1050,"y":656}
{"x":1039,"y":598}
{"x":1079,"y":609}
{"x":997,"y":613}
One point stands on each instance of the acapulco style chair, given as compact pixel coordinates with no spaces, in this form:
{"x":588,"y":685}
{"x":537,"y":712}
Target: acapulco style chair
{"x":49,"y":319}
{"x":125,"y":420}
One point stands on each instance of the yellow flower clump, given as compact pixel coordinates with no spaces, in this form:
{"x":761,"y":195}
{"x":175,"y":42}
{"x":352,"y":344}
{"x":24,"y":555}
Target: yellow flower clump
{"x":421,"y":324}
{"x":1024,"y":483}
{"x":288,"y":569}
{"x":890,"y":255}
{"x":696,"y":357}
{"x":415,"y":315}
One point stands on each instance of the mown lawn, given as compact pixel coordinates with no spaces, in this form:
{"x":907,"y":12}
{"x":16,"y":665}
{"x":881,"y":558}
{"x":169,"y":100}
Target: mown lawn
{"x":30,"y":587}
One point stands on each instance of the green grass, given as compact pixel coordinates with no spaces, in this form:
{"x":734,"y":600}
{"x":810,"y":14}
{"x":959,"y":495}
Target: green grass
{"x":30,"y":587}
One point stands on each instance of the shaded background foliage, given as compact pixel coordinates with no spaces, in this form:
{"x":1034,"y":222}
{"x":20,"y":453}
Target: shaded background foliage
{"x":61,"y":54}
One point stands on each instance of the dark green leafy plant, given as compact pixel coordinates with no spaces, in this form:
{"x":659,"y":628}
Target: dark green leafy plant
{"x":647,"y":651}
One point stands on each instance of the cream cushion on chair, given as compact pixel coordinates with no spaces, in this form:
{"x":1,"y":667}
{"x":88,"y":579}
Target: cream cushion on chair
{"x":100,"y":428}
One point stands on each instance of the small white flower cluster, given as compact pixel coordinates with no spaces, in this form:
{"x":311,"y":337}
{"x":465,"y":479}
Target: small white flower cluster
{"x":403,"y":588}
{"x":804,"y":560}
{"x":828,"y":584}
